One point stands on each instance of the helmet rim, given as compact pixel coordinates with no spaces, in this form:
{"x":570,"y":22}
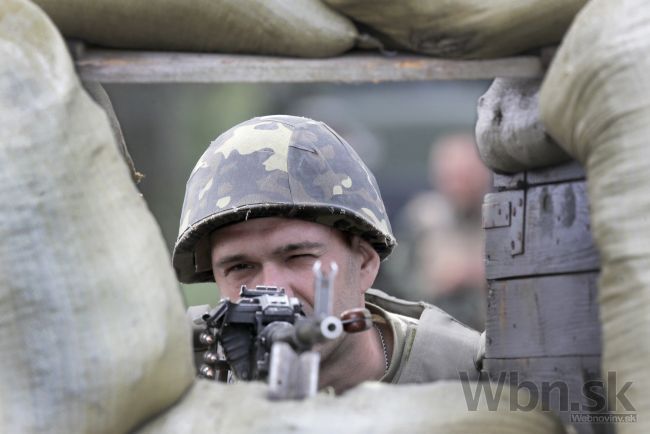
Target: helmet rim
{"x":186,"y":258}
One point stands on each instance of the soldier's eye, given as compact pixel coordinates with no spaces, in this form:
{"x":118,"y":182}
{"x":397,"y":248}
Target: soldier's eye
{"x":303,"y":256}
{"x":239,"y":267}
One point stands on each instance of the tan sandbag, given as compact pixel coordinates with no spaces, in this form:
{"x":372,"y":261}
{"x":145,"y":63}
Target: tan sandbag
{"x":465,"y":28}
{"x":283,"y":27}
{"x":509,"y":133}
{"x":92,"y":329}
{"x":595,"y":101}
{"x":376,"y":408}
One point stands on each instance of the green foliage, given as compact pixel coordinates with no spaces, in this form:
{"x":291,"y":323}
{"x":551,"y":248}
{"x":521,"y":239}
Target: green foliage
{"x":200,"y":293}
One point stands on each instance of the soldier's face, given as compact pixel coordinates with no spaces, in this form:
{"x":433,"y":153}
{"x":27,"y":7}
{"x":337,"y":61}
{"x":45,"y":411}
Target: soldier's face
{"x":281,"y":252}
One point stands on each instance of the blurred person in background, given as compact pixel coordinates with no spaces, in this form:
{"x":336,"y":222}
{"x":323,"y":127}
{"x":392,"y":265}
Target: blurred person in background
{"x":441,"y":254}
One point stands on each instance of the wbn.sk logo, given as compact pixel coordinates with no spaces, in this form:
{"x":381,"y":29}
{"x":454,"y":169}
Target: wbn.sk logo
{"x":599,"y":401}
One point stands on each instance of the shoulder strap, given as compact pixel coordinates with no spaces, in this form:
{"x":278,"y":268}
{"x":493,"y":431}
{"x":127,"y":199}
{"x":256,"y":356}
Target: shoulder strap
{"x":411,"y":309}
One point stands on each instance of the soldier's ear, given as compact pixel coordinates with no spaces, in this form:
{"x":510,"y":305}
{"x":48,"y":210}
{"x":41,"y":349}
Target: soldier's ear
{"x":369,"y":262}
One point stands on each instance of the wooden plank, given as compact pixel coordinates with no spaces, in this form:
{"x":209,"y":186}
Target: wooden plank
{"x":544,"y":316}
{"x":571,"y":171}
{"x":511,"y":202}
{"x":557,"y":237}
{"x":508,"y":182}
{"x":116,"y":66}
{"x":575,"y":372}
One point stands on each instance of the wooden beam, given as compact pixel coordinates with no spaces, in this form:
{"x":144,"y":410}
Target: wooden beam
{"x":548,"y":316}
{"x":555,"y":380}
{"x":556,"y":236}
{"x":121,"y":66}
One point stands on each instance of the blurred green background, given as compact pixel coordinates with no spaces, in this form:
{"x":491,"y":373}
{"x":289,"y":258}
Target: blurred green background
{"x":391,"y":125}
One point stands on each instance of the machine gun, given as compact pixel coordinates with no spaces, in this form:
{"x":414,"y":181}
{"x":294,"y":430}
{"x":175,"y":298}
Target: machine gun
{"x":265,"y":335}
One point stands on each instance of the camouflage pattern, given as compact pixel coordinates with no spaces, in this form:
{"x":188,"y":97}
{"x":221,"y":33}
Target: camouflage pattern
{"x":277,"y":166}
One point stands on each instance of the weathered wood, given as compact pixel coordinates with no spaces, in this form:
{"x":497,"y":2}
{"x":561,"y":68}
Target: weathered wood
{"x":544,"y":316}
{"x":557,"y":236}
{"x":575,"y":372}
{"x":571,"y":171}
{"x":509,"y":182}
{"x":505,"y":211}
{"x":114,"y":66}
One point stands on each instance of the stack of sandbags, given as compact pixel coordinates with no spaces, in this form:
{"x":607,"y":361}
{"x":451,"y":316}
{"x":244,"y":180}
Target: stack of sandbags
{"x":443,"y":408}
{"x":464,"y":28}
{"x":93,"y":334}
{"x":595,"y":101}
{"x":92,"y":330}
{"x":305,"y":28}
{"x":509,"y":134}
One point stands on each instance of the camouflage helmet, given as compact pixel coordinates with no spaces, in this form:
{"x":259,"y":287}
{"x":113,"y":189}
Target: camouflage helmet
{"x":277,"y":166}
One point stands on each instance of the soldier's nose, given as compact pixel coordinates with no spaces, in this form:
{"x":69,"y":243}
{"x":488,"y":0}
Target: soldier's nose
{"x":273,"y":275}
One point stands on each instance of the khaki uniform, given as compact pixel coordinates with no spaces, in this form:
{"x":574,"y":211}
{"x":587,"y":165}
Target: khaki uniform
{"x":428,"y":344}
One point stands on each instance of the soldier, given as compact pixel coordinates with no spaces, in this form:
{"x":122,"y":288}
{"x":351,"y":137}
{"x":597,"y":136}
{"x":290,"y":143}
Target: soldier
{"x":274,"y":194}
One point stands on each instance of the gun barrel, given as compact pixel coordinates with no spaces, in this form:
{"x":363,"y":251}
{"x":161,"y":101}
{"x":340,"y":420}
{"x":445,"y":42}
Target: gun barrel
{"x":305,"y":333}
{"x":331,"y":327}
{"x":312,"y":331}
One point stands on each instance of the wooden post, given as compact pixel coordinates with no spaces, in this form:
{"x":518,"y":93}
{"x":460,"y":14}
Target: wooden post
{"x":543,"y":324}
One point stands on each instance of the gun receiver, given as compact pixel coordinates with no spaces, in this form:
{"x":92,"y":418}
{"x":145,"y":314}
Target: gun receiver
{"x":265,"y":335}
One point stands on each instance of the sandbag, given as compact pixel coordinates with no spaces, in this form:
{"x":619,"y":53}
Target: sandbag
{"x":92,"y":329}
{"x":465,"y":28}
{"x":440,"y":408}
{"x":595,"y":101}
{"x":280,"y":27}
{"x":509,"y":133}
